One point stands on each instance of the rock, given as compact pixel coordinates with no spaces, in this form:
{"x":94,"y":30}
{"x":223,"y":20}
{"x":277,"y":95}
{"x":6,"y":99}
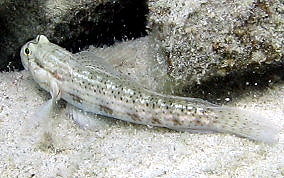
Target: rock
{"x":201,"y":40}
{"x":71,"y":24}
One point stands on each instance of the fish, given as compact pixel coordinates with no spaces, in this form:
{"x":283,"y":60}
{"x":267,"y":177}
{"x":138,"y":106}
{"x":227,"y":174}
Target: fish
{"x":94,"y":86}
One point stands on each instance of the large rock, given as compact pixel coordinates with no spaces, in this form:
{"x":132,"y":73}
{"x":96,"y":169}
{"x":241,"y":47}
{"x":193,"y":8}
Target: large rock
{"x":198,"y":41}
{"x":71,"y":24}
{"x":204,"y":39}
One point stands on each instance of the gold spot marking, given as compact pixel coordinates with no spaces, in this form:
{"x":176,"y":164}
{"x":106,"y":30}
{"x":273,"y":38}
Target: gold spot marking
{"x":57,"y":76}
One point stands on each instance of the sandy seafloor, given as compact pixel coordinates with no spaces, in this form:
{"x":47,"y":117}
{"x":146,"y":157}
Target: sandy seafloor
{"x":122,"y":149}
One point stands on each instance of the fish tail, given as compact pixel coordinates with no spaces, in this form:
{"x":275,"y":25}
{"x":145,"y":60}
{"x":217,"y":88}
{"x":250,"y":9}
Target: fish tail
{"x":245,"y":124}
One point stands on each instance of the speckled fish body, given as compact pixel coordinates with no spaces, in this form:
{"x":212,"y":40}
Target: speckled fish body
{"x":95,"y":87}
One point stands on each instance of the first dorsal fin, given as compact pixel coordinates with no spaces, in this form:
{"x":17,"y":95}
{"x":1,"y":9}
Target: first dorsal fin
{"x":42,"y":39}
{"x":89,"y":59}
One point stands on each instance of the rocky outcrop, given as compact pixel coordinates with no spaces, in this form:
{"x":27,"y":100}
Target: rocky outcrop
{"x":204,"y":39}
{"x":199,"y":41}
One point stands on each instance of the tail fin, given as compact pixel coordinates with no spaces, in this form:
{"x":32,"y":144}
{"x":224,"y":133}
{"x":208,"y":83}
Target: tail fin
{"x":246,"y":124}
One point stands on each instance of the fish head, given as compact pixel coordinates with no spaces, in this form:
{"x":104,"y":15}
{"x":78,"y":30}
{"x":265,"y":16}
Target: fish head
{"x":30,"y":52}
{"x":47,"y":62}
{"x":33,"y":59}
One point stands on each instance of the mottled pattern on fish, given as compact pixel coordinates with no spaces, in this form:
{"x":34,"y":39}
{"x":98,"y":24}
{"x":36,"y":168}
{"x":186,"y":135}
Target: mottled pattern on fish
{"x":94,"y":86}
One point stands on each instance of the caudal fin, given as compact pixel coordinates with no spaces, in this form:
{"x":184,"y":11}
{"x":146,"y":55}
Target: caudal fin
{"x":246,"y":124}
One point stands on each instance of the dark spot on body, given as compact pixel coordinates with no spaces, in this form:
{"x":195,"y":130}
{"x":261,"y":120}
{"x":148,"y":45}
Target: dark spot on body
{"x":177,"y":122}
{"x":134,"y":117}
{"x":156,"y":121}
{"x":198,"y":122}
{"x":76,"y":98}
{"x":215,"y":121}
{"x":106,"y":109}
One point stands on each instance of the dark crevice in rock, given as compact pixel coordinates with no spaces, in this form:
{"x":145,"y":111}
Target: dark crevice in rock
{"x":83,"y":25}
{"x":19,"y":21}
{"x":102,"y":25}
{"x":237,"y":84}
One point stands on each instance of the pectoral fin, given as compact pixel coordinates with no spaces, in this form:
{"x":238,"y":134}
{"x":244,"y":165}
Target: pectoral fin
{"x":41,"y":118}
{"x":55,"y":91}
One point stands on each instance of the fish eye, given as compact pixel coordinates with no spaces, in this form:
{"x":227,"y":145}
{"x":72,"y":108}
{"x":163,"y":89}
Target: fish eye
{"x":27,"y":52}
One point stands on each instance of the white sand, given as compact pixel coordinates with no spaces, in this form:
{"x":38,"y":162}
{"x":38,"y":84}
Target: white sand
{"x":127,"y":150}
